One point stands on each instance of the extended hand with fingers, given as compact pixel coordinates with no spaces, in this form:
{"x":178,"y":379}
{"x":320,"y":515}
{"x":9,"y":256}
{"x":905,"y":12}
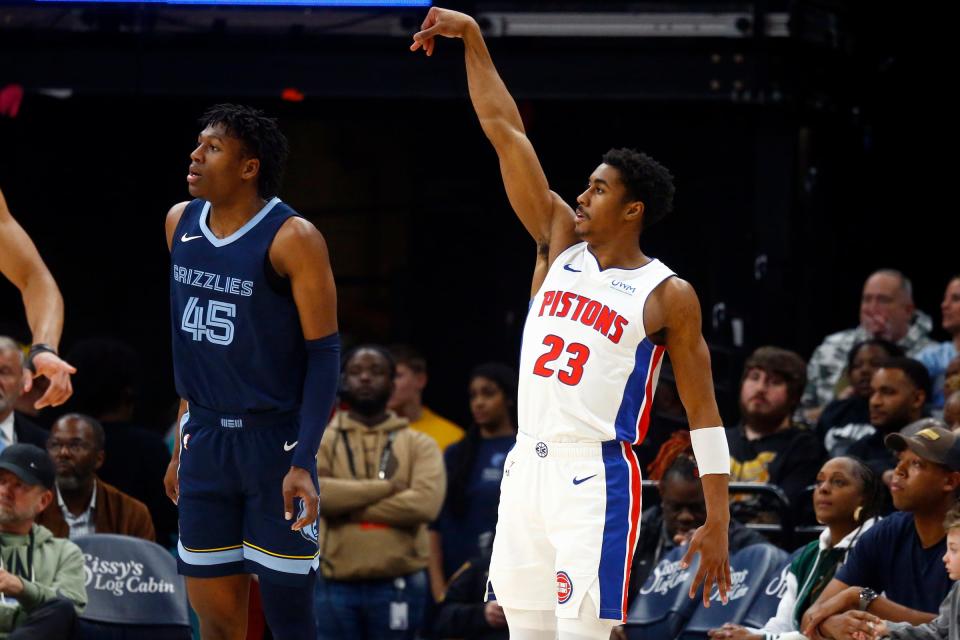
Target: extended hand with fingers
{"x":440,"y":22}
{"x":710,"y":541}
{"x":299,"y":484}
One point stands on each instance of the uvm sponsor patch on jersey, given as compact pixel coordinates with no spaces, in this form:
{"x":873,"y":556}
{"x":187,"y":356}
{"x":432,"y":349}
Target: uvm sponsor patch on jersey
{"x":564,"y":587}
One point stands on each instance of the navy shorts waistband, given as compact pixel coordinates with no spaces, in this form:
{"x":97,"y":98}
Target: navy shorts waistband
{"x":214,"y":418}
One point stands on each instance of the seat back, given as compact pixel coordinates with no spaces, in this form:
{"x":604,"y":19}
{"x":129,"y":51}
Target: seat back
{"x":131,"y":581}
{"x":751,"y":571}
{"x":662,"y":606}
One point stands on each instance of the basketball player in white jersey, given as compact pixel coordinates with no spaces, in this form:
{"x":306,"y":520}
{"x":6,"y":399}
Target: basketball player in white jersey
{"x":597,"y":330}
{"x":22,"y":265}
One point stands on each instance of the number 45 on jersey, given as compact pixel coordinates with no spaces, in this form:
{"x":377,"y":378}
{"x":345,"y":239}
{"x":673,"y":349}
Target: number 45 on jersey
{"x":217,"y":327}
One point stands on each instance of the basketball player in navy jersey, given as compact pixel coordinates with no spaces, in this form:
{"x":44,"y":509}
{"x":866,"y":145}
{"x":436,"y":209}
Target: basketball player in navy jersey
{"x":256,"y":362}
{"x":605,"y":313}
{"x":22,"y":265}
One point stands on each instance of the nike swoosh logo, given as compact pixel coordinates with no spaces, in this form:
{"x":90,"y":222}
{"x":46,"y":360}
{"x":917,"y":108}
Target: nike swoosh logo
{"x":288,"y":447}
{"x":186,"y":238}
{"x":582,"y":480}
{"x":569,"y":268}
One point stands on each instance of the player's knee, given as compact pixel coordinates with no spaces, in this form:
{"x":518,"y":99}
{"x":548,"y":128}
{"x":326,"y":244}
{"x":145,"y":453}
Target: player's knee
{"x":217,"y":600}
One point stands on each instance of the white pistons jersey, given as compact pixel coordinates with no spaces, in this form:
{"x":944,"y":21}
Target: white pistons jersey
{"x":588,"y":371}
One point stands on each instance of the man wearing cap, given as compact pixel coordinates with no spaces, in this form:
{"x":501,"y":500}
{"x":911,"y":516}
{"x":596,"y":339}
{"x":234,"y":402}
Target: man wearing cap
{"x":900,"y":557}
{"x":41,"y":577}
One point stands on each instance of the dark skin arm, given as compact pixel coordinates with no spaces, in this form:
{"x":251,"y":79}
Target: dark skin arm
{"x":299,"y":253}
{"x":545,"y":216}
{"x":21,"y":263}
{"x":672,"y":319}
{"x":839,"y":597}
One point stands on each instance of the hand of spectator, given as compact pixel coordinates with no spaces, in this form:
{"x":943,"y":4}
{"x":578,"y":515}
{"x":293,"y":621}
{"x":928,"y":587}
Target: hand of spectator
{"x":851,"y":625}
{"x":171,"y":481}
{"x":820,"y":611}
{"x":10,"y":585}
{"x":733,"y":632}
{"x":57,"y":371}
{"x":878,"y":325}
{"x":298,"y":484}
{"x":494,"y":615}
{"x":618,"y":633}
{"x":710,"y":540}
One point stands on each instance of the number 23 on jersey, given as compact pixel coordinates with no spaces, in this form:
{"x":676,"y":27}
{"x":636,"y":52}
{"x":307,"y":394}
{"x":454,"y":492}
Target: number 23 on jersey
{"x":578,"y":354}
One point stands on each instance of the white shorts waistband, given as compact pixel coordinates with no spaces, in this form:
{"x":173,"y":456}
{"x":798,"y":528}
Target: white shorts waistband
{"x":546,"y":449}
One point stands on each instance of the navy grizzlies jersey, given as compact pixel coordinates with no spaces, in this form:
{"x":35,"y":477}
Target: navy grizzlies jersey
{"x":237,"y":343}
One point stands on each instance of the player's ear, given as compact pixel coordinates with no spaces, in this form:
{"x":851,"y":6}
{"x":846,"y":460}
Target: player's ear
{"x":634,"y":210}
{"x":251,"y":167}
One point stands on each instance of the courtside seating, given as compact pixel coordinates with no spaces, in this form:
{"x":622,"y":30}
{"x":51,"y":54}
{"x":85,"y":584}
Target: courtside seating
{"x":662,"y":607}
{"x":133,"y":591}
{"x":754,"y":571}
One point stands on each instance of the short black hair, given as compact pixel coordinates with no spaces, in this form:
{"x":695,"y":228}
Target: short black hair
{"x":646,"y":180}
{"x":914,"y":370}
{"x":892,"y":350}
{"x":376,"y":348}
{"x":261,"y":138}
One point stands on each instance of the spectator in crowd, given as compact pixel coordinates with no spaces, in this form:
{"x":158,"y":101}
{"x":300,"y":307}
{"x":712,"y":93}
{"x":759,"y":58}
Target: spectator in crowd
{"x":135,"y":459}
{"x":14,"y":427}
{"x":84,"y":503}
{"x":900,"y":557}
{"x":951,"y":380}
{"x":899,"y":389}
{"x":767,"y":446}
{"x":936,"y":357}
{"x":474,"y":469}
{"x":407,"y":398}
{"x":462,"y":612}
{"x":681,"y":511}
{"x":847,"y":420}
{"x":951,"y":411}
{"x":41,"y":577}
{"x":381,"y":482}
{"x":886,"y":311}
{"x":847,"y":499}
{"x":946,"y":625}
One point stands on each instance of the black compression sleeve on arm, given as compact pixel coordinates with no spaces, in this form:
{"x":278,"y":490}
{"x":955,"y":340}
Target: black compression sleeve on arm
{"x":319,"y":394}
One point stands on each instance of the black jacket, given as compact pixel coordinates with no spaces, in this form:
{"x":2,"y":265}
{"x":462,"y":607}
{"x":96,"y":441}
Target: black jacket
{"x":27,"y":432}
{"x":460,"y":613}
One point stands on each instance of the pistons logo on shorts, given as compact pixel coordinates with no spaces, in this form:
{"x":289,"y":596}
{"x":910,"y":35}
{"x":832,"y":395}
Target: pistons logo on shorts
{"x":564,"y":587}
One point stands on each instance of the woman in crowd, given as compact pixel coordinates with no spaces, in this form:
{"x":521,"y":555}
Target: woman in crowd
{"x":847,"y":500}
{"x":847,"y":419}
{"x":465,"y":526}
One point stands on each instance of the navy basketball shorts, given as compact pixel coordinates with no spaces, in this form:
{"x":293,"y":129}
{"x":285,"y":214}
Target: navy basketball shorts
{"x":231,"y":499}
{"x":568,"y":525}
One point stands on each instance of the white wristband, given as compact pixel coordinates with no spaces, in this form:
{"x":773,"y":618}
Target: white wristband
{"x":711,"y":450}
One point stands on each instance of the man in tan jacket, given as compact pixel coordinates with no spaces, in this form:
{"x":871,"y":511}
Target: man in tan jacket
{"x":381,"y":482}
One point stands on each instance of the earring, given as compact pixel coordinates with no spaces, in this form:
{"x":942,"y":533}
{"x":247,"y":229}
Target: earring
{"x":856,"y":514}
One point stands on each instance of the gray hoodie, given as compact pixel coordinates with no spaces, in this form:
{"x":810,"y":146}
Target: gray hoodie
{"x":946,"y":626}
{"x":49,"y":567}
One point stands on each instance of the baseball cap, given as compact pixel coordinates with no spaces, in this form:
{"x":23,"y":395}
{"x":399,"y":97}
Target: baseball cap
{"x":930,"y":439}
{"x":30,"y":463}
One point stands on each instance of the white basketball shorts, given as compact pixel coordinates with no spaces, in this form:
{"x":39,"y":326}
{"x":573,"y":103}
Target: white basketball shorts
{"x":568,"y":524}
